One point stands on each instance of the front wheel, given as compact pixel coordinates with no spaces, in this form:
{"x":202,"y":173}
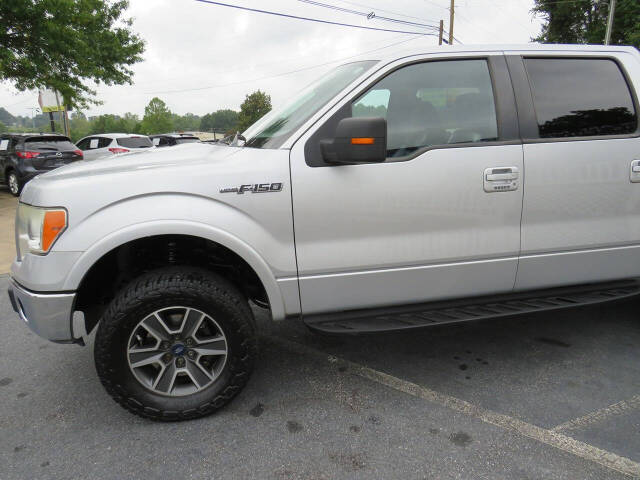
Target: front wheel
{"x":176,"y":344}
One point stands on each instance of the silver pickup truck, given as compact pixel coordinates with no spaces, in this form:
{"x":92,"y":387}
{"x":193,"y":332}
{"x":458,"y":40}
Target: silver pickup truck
{"x":427,"y":187}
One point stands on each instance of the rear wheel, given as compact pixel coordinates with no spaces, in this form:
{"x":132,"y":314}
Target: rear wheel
{"x":176,"y":344}
{"x":14,"y":183}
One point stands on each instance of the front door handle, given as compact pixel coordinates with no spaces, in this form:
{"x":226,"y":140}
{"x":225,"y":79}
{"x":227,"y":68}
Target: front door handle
{"x":501,"y":179}
{"x":634,"y":172}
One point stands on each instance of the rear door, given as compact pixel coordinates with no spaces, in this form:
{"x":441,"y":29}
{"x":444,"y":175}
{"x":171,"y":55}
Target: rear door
{"x":581,"y":208}
{"x":89,"y":147}
{"x":440,"y":218}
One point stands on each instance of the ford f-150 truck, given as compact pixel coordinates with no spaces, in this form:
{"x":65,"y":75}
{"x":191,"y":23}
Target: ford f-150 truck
{"x":427,"y":187}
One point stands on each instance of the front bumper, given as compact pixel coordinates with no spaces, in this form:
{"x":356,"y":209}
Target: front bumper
{"x":50,"y":315}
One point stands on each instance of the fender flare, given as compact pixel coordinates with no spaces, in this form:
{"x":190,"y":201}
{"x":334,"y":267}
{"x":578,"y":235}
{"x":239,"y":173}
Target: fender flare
{"x":180,"y":227}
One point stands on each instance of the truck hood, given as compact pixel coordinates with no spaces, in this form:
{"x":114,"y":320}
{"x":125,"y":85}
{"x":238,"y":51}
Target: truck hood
{"x":165,"y":174}
{"x":188,"y":155}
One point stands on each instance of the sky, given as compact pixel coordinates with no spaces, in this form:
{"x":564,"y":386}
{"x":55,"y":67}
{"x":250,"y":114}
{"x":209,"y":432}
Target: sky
{"x":202,"y":57}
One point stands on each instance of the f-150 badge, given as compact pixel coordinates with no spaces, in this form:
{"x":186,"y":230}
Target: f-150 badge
{"x":254,"y":188}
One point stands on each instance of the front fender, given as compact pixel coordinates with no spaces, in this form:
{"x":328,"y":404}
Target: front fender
{"x":178,"y":227}
{"x":266,"y":246}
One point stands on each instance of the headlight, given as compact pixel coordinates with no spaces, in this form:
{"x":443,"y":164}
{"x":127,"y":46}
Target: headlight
{"x":38,"y":228}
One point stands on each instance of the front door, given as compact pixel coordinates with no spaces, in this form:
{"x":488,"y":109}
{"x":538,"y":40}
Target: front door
{"x":440,"y":218}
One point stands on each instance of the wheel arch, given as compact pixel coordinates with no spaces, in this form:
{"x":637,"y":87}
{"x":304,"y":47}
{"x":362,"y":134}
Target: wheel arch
{"x":103,"y":251}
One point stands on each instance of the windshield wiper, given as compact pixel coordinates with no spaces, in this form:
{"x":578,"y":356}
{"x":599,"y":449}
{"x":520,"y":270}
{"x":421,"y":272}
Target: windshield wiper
{"x":232,"y":141}
{"x":237,"y":139}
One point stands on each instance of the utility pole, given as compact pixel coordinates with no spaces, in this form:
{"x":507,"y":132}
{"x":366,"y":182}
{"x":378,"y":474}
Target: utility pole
{"x":441,"y":32}
{"x":33,"y":112}
{"x":612,"y":10}
{"x":451,"y":10}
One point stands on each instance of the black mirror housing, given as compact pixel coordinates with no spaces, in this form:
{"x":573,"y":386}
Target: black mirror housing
{"x":357,"y":140}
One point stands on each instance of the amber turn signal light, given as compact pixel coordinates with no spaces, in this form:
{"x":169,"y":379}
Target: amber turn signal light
{"x":362,"y":141}
{"x":55,"y":222}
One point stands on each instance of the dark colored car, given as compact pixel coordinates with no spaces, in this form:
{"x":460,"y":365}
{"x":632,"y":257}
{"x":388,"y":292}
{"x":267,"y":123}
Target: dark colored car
{"x":171,"y":139}
{"x":25,"y":155}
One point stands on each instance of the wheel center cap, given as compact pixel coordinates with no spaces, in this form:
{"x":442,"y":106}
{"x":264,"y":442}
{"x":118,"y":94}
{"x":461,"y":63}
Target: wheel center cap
{"x":178,"y":349}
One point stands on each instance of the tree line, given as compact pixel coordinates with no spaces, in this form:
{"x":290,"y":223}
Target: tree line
{"x":157,"y":118}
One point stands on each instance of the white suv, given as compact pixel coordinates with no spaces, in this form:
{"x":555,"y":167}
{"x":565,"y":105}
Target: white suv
{"x":106,"y":144}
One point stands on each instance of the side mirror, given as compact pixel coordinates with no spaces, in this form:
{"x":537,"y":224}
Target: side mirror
{"x":357,"y":140}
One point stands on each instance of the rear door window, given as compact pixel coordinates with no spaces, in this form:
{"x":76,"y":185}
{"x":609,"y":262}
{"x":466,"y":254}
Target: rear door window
{"x":580,"y":97}
{"x":134,"y":142}
{"x":83,"y":144}
{"x":54,"y":144}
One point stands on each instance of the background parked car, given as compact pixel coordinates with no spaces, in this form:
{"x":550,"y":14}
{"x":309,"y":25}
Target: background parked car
{"x":25,"y":155}
{"x":106,"y":144}
{"x":170,"y":139}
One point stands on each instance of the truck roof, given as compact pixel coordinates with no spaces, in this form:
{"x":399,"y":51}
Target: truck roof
{"x":416,"y":48}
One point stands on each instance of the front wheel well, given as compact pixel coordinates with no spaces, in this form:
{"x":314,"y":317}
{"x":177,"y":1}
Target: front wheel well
{"x":121,"y":265}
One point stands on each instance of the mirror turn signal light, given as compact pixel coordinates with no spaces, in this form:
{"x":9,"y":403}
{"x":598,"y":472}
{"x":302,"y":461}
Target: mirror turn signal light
{"x":362,"y":141}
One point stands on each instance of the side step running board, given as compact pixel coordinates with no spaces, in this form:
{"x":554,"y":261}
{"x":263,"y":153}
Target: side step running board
{"x":438,"y":313}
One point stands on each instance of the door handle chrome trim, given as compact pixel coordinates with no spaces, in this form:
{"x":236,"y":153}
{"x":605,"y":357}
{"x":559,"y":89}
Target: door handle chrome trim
{"x":501,"y":179}
{"x":492,"y":177}
{"x":634,"y":171}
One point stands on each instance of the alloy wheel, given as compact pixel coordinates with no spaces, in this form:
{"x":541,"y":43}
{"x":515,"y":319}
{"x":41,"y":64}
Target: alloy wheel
{"x":13,"y":183}
{"x":177,"y":351}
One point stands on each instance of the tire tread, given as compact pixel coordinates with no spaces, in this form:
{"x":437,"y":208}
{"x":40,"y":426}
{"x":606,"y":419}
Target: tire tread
{"x":155,"y":285}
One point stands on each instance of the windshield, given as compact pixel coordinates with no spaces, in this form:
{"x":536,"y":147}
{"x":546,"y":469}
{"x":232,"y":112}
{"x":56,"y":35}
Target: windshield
{"x":272,"y":130}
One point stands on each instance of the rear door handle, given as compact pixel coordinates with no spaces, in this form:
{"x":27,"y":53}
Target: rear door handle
{"x":501,"y":179}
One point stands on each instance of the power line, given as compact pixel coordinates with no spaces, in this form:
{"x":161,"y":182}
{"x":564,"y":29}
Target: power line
{"x":309,"y":19}
{"x":245,"y":67}
{"x":370,"y":15}
{"x":386,"y":11}
{"x":311,"y":67}
{"x":21,"y":101}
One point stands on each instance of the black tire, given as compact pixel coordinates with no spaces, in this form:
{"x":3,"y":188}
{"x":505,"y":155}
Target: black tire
{"x":14,"y":188}
{"x":189,"y":287}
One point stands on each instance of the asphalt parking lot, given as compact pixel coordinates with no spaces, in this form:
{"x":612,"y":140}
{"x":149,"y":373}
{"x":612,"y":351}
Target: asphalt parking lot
{"x":549,"y":395}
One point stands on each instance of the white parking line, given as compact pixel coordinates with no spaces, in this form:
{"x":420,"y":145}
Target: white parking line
{"x":549,"y":437}
{"x":600,"y":415}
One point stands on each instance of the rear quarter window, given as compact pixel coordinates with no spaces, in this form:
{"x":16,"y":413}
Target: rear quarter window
{"x":580,"y":97}
{"x":134,"y":142}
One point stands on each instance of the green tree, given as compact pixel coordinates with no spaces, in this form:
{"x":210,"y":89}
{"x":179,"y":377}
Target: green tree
{"x":585,"y":21}
{"x":254,"y":107}
{"x":186,"y":122}
{"x":79,"y":126}
{"x":6,"y":117}
{"x":219,"y":121}
{"x":157,"y":118}
{"x":3,"y":127}
{"x":60,"y":44}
